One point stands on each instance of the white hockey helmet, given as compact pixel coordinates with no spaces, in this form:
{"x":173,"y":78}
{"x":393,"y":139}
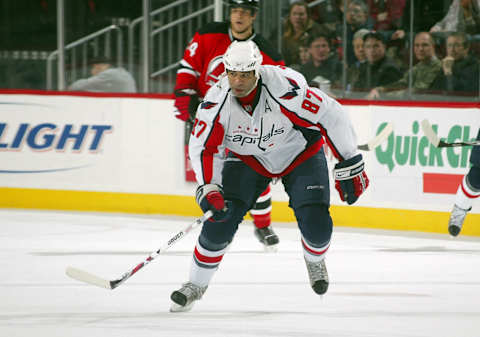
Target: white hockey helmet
{"x":243,"y":56}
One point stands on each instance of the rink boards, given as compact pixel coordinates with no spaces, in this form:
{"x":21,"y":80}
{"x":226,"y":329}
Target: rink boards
{"x":124,"y":153}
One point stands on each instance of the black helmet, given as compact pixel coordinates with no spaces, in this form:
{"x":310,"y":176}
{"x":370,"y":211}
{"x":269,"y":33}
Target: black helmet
{"x":250,"y":4}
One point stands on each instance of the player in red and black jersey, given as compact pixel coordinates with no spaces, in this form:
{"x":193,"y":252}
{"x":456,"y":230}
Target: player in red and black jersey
{"x":202,"y":66}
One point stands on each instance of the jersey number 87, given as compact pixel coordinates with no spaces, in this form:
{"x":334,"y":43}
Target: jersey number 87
{"x":201,"y":124}
{"x":309,"y":105}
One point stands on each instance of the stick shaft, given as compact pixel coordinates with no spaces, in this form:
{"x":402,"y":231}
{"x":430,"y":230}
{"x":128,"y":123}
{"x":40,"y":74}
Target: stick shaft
{"x":174,"y":239}
{"x":378,"y":139}
{"x":87,"y":277}
{"x":456,"y":144}
{"x":436,"y":141}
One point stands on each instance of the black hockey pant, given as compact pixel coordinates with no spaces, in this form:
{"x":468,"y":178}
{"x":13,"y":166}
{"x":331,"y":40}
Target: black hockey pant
{"x":309,"y":196}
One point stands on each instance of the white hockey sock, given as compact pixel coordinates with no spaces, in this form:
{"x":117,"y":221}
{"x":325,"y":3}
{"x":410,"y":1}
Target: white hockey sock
{"x":314,"y":254}
{"x":465,"y":195}
{"x":205,"y":264}
{"x":201,"y":276}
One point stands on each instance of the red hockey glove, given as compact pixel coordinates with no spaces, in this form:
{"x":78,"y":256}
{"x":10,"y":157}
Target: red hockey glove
{"x":185,"y":104}
{"x":210,"y":197}
{"x":350,"y":178}
{"x":181,"y":105}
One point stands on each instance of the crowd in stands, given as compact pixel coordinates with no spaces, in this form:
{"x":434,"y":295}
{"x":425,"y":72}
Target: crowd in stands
{"x":374,"y":49}
{"x":367,"y":53}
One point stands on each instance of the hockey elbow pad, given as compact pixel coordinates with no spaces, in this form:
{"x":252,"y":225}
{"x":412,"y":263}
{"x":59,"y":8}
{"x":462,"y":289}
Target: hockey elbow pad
{"x":210,"y":198}
{"x":350,"y":178}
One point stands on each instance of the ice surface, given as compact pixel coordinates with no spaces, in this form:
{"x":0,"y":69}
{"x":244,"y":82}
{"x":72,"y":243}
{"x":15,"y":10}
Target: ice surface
{"x":383,"y":283}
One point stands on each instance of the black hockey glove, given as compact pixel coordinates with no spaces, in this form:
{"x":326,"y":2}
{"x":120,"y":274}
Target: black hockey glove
{"x":350,"y":178}
{"x":210,"y":198}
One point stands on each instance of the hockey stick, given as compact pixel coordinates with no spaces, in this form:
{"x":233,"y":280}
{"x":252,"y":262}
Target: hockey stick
{"x":436,"y":141}
{"x":387,"y":130}
{"x":84,"y":276}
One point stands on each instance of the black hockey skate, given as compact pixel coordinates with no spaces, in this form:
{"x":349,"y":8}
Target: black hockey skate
{"x":317,"y":272}
{"x":184,"y":298}
{"x":267,"y":236}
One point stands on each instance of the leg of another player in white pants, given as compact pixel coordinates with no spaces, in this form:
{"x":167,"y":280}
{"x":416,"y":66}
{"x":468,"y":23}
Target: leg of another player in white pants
{"x":468,"y":191}
{"x":466,"y":194}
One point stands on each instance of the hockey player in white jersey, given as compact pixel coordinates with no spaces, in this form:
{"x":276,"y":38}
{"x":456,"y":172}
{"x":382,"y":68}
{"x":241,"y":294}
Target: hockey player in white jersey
{"x":256,"y":124}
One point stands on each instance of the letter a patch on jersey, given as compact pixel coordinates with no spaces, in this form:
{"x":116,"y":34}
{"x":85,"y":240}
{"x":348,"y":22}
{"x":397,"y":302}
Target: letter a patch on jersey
{"x":267,"y":106}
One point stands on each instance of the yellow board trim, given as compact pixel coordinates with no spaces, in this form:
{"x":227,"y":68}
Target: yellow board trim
{"x":349,"y":216}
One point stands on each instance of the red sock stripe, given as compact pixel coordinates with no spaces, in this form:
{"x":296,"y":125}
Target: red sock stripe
{"x":261,"y":220}
{"x":267,"y":190}
{"x":467,"y":193}
{"x":314,"y":252}
{"x":207,"y":259}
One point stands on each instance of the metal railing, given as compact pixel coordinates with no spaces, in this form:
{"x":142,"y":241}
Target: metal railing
{"x":171,"y":27}
{"x":177,"y":26}
{"x":83,"y":43}
{"x":167,"y":54}
{"x":133,"y":25}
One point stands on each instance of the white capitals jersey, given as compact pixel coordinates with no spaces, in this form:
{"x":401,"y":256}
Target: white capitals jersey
{"x":289,"y":123}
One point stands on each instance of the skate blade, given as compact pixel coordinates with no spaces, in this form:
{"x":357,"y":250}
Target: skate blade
{"x":271,"y":248}
{"x":174,"y":307}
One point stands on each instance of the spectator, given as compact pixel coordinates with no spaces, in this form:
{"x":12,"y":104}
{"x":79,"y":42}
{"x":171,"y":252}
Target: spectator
{"x":303,"y":56}
{"x":329,"y":15}
{"x":421,"y":22}
{"x":462,"y":16}
{"x":379,"y":70}
{"x":356,"y":18}
{"x":105,"y":78}
{"x":460,"y":71}
{"x":353,"y":70}
{"x":322,"y":63}
{"x":423,"y":73}
{"x":298,"y":27}
{"x":386,"y":14}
